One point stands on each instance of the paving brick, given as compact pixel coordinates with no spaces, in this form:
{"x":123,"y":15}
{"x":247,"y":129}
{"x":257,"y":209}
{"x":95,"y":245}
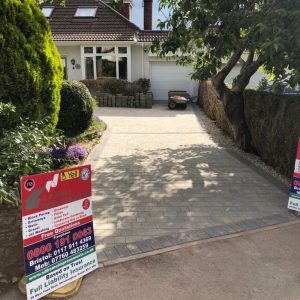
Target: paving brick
{"x":145,"y":246}
{"x":122,"y":250}
{"x":101,"y":256}
{"x":134,"y":249}
{"x":111,"y":253}
{"x":179,"y":238}
{"x":164,"y":241}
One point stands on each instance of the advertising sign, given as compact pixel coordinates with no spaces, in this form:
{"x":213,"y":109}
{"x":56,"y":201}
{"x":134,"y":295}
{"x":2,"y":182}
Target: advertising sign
{"x":58,"y":236}
{"x":294,"y":199}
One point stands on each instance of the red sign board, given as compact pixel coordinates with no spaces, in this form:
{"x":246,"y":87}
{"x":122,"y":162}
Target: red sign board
{"x":294,"y":199}
{"x":58,"y":237}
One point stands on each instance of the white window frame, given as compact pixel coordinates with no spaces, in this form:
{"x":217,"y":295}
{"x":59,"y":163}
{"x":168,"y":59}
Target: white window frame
{"x":116,"y":54}
{"x":85,"y":7}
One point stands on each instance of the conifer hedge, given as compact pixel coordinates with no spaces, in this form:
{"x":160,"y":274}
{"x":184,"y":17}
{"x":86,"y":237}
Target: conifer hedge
{"x":30,"y":65}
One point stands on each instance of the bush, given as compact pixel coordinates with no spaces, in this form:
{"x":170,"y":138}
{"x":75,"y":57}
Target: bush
{"x":143,"y":85}
{"x":7,"y":116}
{"x":114,"y":86}
{"x":30,"y":65}
{"x":24,"y":151}
{"x":274,"y":124}
{"x":263,"y":85}
{"x":76,"y":108}
{"x":277,"y":87}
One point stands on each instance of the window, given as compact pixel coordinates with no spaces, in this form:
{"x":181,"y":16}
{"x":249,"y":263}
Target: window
{"x":123,"y":67}
{"x":105,"y":50}
{"x":106,"y":61}
{"x":86,"y":12}
{"x":88,"y":50}
{"x":106,"y":66}
{"x":122,"y":50}
{"x":47,"y":11}
{"x":89,"y":67}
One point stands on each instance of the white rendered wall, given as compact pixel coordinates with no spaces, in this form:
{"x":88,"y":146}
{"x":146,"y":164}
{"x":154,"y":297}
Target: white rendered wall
{"x":137,"y":61}
{"x":71,"y":52}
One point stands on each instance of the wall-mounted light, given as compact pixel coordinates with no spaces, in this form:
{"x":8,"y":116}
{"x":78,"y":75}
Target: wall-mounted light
{"x":73,"y":62}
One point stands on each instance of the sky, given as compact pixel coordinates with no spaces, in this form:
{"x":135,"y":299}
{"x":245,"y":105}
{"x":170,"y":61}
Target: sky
{"x":138,"y":13}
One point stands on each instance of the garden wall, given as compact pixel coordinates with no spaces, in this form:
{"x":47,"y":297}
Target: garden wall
{"x":273,"y":121}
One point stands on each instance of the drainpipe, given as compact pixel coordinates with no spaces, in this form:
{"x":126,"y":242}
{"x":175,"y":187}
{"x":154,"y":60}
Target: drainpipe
{"x":143,"y":75}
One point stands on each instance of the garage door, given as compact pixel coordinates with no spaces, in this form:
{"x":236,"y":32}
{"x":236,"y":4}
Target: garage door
{"x":166,"y":76}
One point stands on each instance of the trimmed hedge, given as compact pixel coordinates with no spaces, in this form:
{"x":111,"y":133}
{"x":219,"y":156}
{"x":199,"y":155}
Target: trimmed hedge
{"x":273,"y":121}
{"x":274,"y":124}
{"x":76,"y":108}
{"x":30,"y":65}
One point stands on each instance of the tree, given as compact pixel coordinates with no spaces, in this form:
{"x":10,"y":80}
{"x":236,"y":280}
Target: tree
{"x":30,"y":64}
{"x":215,"y":31}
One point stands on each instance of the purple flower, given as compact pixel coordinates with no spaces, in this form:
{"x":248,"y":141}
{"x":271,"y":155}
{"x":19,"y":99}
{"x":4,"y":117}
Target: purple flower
{"x":98,"y":118}
{"x":71,"y":153}
{"x":75,"y":152}
{"x":58,"y":153}
{"x":99,"y":133}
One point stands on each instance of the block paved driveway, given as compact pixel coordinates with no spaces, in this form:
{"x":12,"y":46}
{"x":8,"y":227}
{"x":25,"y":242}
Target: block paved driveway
{"x":159,"y":180}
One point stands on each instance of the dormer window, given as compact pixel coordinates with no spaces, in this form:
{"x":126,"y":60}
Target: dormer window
{"x":86,"y":12}
{"x":47,"y":11}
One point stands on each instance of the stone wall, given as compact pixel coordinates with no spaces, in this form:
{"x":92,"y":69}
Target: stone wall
{"x":212,"y":106}
{"x":273,"y":121}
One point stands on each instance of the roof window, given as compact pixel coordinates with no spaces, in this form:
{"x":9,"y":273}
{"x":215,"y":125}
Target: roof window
{"x":47,"y":11}
{"x":85,"y":12}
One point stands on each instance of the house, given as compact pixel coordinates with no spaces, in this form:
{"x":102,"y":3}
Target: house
{"x":96,"y":41}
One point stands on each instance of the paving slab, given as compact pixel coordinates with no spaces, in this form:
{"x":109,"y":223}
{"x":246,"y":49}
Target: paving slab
{"x":159,"y":178}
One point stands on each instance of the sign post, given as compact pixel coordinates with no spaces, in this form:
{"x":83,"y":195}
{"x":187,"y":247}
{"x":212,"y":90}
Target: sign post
{"x":294,"y":199}
{"x":58,"y":235}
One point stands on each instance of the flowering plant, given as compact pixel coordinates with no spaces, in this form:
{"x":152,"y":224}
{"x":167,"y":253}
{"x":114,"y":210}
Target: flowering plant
{"x":73,"y":152}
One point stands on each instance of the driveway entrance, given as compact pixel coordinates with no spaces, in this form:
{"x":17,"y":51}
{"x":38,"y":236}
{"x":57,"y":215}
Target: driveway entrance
{"x":160,"y":179}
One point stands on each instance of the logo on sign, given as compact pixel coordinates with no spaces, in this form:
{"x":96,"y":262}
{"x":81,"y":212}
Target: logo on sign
{"x":52,"y":183}
{"x":86,"y":204}
{"x":29,"y":184}
{"x":85,"y":174}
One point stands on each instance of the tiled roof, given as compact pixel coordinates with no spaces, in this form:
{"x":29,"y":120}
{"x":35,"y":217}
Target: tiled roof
{"x":107,"y":25}
{"x":152,"y":35}
{"x":92,"y":37}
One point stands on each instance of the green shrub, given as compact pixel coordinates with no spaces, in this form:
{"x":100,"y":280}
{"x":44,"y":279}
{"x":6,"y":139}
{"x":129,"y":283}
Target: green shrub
{"x":143,"y":85}
{"x":76,"y":109}
{"x":114,"y":86}
{"x":277,"y":87}
{"x":262,"y":85}
{"x":24,"y":151}
{"x":7,"y":116}
{"x":131,"y":89}
{"x":274,"y":124}
{"x":30,"y":65}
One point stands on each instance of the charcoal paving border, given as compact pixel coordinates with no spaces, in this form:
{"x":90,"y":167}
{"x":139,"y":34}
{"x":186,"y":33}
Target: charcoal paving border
{"x":147,"y":246}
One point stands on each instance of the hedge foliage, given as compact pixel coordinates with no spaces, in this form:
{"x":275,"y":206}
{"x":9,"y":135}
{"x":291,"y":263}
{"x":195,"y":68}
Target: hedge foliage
{"x":76,"y":109}
{"x":30,"y":65}
{"x":274,"y":123}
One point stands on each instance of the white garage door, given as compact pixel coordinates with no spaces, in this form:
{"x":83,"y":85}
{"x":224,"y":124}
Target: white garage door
{"x":166,"y":76}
